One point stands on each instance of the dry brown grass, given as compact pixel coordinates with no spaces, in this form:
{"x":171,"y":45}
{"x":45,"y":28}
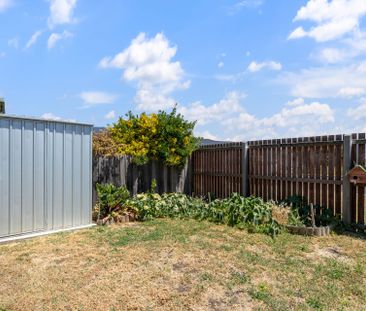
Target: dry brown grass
{"x":182,"y":265}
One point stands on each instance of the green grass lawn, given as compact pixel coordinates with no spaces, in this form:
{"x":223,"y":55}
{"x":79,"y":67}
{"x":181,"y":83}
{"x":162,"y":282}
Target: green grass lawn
{"x":182,"y":265}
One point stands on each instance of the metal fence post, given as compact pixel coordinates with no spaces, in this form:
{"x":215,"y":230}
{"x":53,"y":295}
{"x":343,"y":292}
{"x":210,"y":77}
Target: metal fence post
{"x":347,"y":164}
{"x":245,"y":170}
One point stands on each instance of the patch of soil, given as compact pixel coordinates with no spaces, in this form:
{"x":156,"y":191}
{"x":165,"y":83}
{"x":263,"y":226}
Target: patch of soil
{"x":179,"y":266}
{"x":332,"y":253}
{"x":183,"y":288}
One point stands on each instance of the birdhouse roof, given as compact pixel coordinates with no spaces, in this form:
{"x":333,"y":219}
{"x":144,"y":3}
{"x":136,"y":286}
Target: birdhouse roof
{"x":358,"y":168}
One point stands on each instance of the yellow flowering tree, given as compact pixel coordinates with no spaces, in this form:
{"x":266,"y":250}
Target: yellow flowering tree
{"x":164,"y":136}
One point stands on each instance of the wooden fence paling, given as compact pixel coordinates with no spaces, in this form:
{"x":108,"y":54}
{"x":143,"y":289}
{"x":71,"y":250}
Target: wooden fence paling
{"x":353,"y":187}
{"x":338,"y":176}
{"x":317,"y":171}
{"x":245,"y":168}
{"x":331,"y":165}
{"x":361,"y":189}
{"x":311,"y":173}
{"x":347,"y":163}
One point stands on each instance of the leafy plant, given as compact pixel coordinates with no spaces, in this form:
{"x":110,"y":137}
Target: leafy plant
{"x":301,"y":213}
{"x":175,"y":138}
{"x":157,"y":136}
{"x":112,"y":200}
{"x":251,"y":213}
{"x":104,"y":144}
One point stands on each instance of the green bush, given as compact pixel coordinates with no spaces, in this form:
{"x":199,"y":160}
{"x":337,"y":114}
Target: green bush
{"x":157,"y":136}
{"x":112,"y":200}
{"x":251,"y":213}
{"x":301,"y":214}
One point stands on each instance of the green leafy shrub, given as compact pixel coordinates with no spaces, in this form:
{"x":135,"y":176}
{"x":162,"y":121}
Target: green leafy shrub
{"x":239,"y":211}
{"x":175,"y":205}
{"x":251,"y":213}
{"x":157,"y":136}
{"x":112,"y":200}
{"x":301,"y":213}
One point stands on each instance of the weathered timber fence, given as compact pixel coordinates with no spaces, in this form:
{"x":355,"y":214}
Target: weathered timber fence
{"x":122,"y":172}
{"x":218,"y":170}
{"x":310,"y":167}
{"x":313,"y":167}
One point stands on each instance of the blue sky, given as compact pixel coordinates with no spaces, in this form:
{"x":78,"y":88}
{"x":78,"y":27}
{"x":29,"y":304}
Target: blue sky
{"x":244,"y":69}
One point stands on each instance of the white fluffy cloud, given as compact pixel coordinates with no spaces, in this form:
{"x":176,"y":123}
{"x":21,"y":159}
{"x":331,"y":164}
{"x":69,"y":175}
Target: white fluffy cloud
{"x":295,"y":102}
{"x":229,"y":119}
{"x":110,"y":115}
{"x":326,"y":82}
{"x":33,"y":39}
{"x":296,"y":118}
{"x":53,"y":117}
{"x":61,"y":12}
{"x":345,"y":50}
{"x":150,"y":100}
{"x":358,"y":112}
{"x":5,"y":4}
{"x":226,"y":107}
{"x":349,"y":92}
{"x":300,"y":114}
{"x":333,"y":19}
{"x":50,"y":116}
{"x":94,"y":98}
{"x":271,"y":65}
{"x":314,"y":112}
{"x":331,"y":55}
{"x":149,"y":62}
{"x":55,"y":37}
{"x":207,"y":134}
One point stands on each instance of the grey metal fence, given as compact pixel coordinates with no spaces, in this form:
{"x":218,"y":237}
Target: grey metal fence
{"x":45,"y":175}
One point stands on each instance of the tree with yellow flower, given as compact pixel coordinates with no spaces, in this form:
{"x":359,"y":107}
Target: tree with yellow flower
{"x":157,"y":136}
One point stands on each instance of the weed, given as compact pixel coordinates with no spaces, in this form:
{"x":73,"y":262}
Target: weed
{"x":315,"y":304}
{"x":239,"y":278}
{"x":261,"y":292}
{"x":206,"y":277}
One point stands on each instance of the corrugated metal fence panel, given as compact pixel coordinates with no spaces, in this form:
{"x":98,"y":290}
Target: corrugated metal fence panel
{"x":45,"y":175}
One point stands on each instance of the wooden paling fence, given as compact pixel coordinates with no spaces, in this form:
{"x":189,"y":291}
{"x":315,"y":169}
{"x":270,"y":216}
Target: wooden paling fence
{"x":218,"y":170}
{"x":121,"y":171}
{"x":313,"y":167}
{"x":310,"y":167}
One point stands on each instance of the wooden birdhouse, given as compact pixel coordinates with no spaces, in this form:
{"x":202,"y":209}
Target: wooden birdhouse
{"x":357,"y":175}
